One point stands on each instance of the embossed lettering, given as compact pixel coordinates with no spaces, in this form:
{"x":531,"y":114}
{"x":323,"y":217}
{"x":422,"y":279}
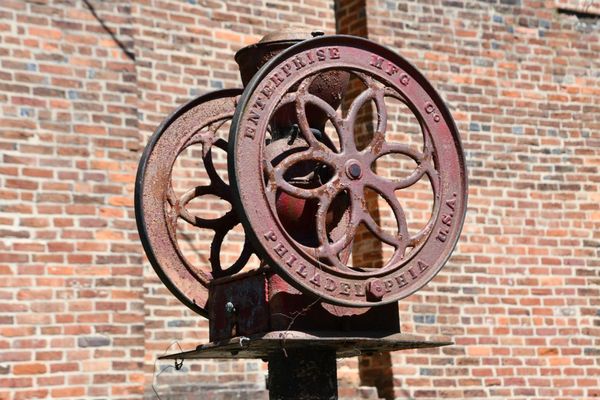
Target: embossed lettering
{"x":388,"y":284}
{"x":412,"y":273}
{"x":401,"y":280}
{"x":290,"y":261}
{"x":422,"y":265}
{"x":344,"y":289}
{"x":330,"y":285}
{"x":280,"y":249}
{"x":442,"y":235}
{"x":404,"y":79}
{"x":249,"y":132}
{"x":430,"y":109}
{"x":359,"y":289}
{"x":316,"y":279}
{"x":451,"y":203}
{"x":447,"y":219}
{"x":276,"y":79}
{"x":253,"y":117}
{"x":286,"y":68}
{"x":302,"y":271}
{"x":298,"y":63}
{"x":271,"y":236}
{"x":260,"y":104}
{"x":267,"y":91}
{"x":391,"y":69}
{"x":334,"y":53}
{"x":376,"y":61}
{"x":310,"y":57}
{"x":321,"y":55}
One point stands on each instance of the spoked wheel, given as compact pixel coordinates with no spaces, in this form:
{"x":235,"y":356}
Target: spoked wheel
{"x":163,"y":206}
{"x":300,"y":189}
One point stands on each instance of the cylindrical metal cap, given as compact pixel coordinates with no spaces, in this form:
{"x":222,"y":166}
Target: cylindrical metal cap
{"x":254,"y":56}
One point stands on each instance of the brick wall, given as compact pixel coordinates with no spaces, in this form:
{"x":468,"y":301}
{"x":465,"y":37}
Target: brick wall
{"x":520,"y":296}
{"x":72,"y":307}
{"x":83,"y":85}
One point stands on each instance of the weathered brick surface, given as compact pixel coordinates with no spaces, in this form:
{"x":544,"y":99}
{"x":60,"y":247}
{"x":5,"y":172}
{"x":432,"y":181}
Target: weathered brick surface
{"x":82,"y":315}
{"x":72,"y":318}
{"x":520,"y":295}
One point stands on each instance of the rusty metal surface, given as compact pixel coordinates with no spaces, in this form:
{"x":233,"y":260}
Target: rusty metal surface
{"x":158,"y":209}
{"x":291,"y":309}
{"x":356,"y":343}
{"x":260,"y":301}
{"x":327,"y":86}
{"x":238,"y":306}
{"x":261,"y":158}
{"x":251,"y":58}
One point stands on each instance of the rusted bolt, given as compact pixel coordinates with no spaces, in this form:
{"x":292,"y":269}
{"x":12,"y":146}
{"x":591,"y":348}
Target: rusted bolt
{"x":353,"y":169}
{"x":375,"y":290}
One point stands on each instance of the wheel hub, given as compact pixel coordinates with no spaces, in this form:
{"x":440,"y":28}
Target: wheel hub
{"x":353,"y":169}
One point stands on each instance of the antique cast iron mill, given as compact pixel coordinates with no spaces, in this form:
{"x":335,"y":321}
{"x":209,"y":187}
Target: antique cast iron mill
{"x":297,"y":179}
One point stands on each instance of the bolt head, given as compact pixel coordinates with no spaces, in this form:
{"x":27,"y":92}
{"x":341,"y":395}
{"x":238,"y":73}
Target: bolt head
{"x":229,"y":307}
{"x":375,"y":290}
{"x":353,"y":169}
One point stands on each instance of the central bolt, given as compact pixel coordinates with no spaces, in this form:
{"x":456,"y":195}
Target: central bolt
{"x":353,"y":169}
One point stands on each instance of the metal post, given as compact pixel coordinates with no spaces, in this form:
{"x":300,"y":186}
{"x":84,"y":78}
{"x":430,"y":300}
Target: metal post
{"x":303,"y":374}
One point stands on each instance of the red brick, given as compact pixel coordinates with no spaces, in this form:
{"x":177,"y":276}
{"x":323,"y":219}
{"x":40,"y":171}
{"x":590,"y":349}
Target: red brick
{"x":68,"y":392}
{"x":29,"y":369}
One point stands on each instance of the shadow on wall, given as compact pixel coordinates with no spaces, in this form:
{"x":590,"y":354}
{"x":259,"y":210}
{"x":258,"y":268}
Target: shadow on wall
{"x":119,"y":43}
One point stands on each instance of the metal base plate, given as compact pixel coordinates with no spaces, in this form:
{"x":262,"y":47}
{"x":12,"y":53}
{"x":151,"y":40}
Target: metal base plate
{"x":261,"y":346}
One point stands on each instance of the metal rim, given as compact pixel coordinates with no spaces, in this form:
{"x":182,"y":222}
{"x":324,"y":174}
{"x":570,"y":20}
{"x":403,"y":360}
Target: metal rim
{"x":437,"y":119}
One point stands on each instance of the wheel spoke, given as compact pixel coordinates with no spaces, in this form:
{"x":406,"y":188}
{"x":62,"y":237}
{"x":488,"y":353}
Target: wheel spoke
{"x":205,"y":135}
{"x":348,"y":236}
{"x":332,"y":115}
{"x":286,"y":99}
{"x":325,"y":201}
{"x":180,"y":209}
{"x":389,"y":92}
{"x":381,"y":112}
{"x":216,"y":181}
{"x":396,"y":148}
{"x":215,"y":248}
{"x":423,"y":161}
{"x":301,"y":95}
{"x":276,"y":174}
{"x":348,"y":132}
{"x":401,"y":238}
